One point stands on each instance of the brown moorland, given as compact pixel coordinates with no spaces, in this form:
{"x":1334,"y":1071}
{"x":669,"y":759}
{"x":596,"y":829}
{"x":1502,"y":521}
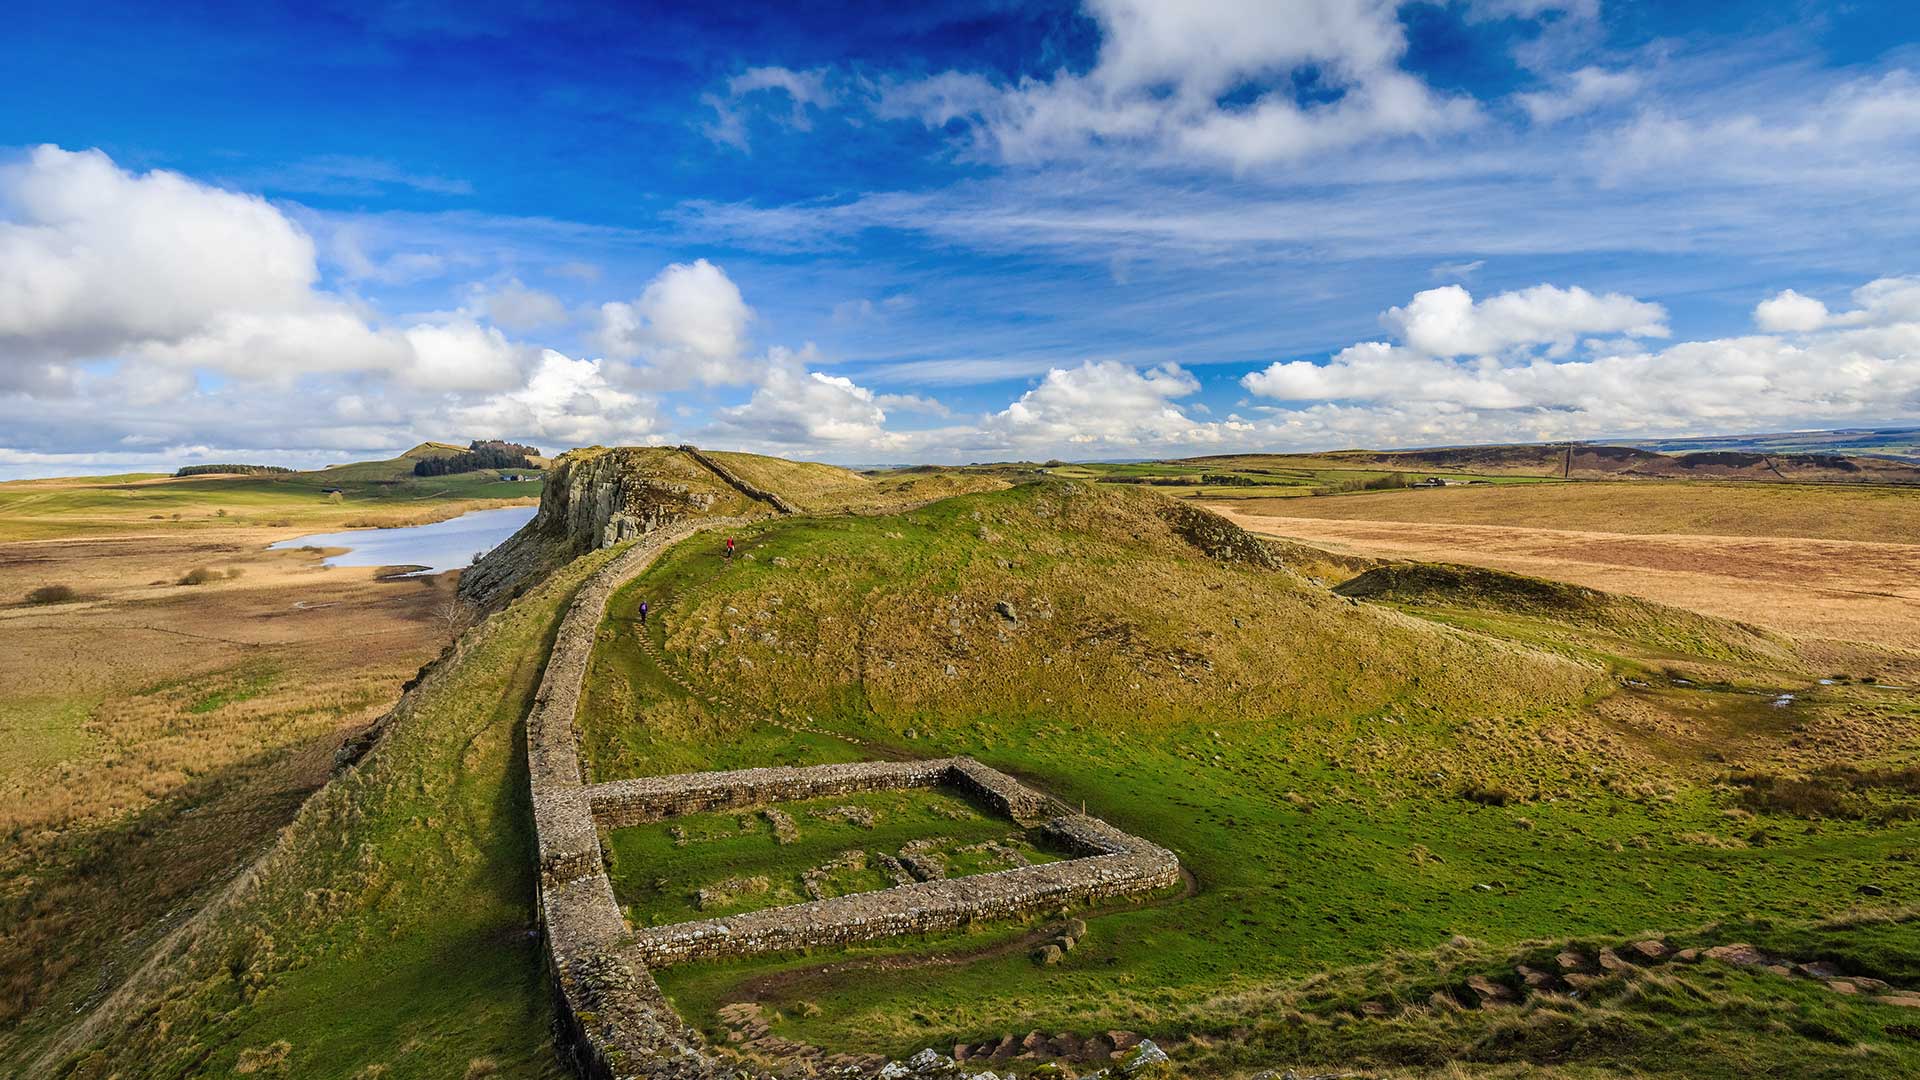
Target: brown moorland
{"x":155,"y":734}
{"x":1836,"y":568}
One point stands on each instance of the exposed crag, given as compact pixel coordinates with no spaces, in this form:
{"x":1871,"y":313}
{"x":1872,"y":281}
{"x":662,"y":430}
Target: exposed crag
{"x":598,"y":497}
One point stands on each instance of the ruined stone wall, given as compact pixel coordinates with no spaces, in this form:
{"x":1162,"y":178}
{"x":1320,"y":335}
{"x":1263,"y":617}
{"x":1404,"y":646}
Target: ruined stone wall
{"x":739,"y":482}
{"x":617,"y":1024}
{"x":920,"y":908}
{"x":1108,"y":862}
{"x":651,"y":798}
{"x":1000,"y":791}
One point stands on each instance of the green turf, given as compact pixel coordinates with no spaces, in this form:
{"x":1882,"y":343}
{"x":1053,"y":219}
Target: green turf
{"x":390,"y":931}
{"x":41,"y":731}
{"x":746,"y":864}
{"x":1321,"y":834}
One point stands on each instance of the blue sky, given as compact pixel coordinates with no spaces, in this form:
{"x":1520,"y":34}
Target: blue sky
{"x":964,"y":231}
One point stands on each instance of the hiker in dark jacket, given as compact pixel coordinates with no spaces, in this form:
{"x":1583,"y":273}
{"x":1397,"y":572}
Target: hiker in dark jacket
{"x":643,"y":613}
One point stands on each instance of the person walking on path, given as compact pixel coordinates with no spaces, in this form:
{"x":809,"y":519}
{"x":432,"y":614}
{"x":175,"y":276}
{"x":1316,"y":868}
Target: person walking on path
{"x":729,"y":547}
{"x":643,"y":613}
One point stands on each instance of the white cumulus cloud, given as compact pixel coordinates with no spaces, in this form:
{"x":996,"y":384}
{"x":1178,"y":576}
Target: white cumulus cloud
{"x":1448,"y":321}
{"x":689,"y":325}
{"x":1442,"y":383}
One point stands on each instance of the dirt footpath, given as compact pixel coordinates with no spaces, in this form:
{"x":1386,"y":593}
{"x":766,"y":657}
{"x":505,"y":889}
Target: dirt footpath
{"x":1838,"y":590}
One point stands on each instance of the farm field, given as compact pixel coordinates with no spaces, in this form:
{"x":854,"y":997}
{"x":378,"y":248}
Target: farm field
{"x":172,"y":691}
{"x":1520,"y":778}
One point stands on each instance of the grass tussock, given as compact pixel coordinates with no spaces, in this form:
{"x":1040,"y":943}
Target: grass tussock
{"x":52,"y":594}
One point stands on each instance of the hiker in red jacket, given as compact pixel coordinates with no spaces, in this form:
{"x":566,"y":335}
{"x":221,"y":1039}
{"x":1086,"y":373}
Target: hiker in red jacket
{"x":729,"y":547}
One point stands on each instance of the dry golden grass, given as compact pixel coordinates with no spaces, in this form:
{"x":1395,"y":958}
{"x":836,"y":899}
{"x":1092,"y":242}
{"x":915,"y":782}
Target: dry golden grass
{"x":152,"y":734}
{"x":1654,"y":507}
{"x":1845,"y":599}
{"x":827,"y":489}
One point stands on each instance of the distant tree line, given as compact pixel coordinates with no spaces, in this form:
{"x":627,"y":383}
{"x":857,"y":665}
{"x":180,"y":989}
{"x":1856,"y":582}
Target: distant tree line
{"x":488,"y":454}
{"x":245,"y":470}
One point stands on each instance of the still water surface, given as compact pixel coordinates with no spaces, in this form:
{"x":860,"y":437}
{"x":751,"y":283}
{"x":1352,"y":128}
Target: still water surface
{"x":443,"y":545}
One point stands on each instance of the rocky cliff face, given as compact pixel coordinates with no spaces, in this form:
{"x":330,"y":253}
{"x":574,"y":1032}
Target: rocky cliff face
{"x":598,"y":497}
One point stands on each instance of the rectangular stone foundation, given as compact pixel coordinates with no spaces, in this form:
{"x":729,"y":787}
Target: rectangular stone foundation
{"x":1108,"y":862}
{"x":615,"y":1023}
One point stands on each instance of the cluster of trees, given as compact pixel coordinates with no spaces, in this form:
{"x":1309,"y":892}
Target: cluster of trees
{"x":1389,"y":482}
{"x":480,"y":454}
{"x":245,"y":470}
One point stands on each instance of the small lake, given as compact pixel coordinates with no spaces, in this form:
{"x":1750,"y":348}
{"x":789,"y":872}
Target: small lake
{"x":441,"y":546}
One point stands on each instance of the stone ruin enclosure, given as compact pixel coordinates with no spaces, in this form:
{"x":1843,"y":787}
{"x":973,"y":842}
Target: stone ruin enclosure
{"x":617,"y":1024}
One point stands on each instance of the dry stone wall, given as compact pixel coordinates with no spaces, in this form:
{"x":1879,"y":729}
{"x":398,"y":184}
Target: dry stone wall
{"x":740,"y":483}
{"x":1109,"y":862}
{"x":920,"y":908}
{"x":651,"y":798}
{"x":616,"y":1023}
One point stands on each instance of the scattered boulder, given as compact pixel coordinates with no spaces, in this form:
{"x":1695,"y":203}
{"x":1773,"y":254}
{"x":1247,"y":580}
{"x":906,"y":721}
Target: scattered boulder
{"x":1488,"y":991}
{"x":1739,"y":954}
{"x":1569,"y":960}
{"x":1648,"y":950}
{"x":1142,"y":1057}
{"x":929,"y":1061}
{"x":1534,"y":978}
{"x":1048,"y":955}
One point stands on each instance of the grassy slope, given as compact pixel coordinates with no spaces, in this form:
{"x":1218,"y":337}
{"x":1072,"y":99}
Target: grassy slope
{"x":1885,"y":515}
{"x":1704,"y":1020}
{"x":1453,"y":589}
{"x":819,"y":488}
{"x":159,"y":736}
{"x":1314,"y":778}
{"x":390,"y":926}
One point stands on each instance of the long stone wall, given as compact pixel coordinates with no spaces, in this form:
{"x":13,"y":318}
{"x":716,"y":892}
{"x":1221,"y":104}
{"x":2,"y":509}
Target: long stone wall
{"x":740,"y":483}
{"x":616,"y":1023}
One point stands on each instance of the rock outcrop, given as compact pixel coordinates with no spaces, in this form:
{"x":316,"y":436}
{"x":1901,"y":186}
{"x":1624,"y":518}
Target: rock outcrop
{"x":598,"y":497}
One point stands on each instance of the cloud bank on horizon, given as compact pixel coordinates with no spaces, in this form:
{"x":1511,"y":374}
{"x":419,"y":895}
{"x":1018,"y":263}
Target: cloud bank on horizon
{"x":1134,"y":229}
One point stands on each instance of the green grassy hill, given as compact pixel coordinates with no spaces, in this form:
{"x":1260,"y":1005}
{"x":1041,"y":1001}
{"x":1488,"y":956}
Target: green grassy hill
{"x":1379,"y":800}
{"x":1344,"y":779}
